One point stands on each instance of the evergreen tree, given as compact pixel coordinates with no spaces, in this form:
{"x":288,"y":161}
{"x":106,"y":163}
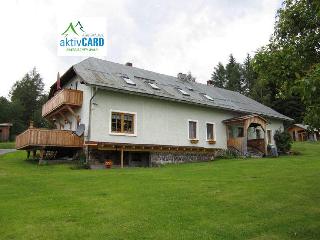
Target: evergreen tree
{"x":218,"y":76}
{"x":27,"y":97}
{"x":233,"y":75}
{"x":249,"y":76}
{"x":5,"y":110}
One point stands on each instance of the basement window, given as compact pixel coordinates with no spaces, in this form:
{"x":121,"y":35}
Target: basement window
{"x":122,"y":122}
{"x":128,"y":80}
{"x":183,"y":92}
{"x":154,"y":86}
{"x":208,"y":97}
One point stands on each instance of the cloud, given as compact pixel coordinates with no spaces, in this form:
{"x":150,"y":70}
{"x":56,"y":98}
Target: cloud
{"x":196,"y":39}
{"x":163,"y":36}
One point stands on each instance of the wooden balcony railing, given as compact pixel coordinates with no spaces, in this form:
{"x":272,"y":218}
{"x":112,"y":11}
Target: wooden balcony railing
{"x":65,"y":97}
{"x":38,"y":137}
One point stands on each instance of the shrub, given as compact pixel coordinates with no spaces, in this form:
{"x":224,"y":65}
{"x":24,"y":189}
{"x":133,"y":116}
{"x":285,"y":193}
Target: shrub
{"x":283,"y":141}
{"x":227,"y":154}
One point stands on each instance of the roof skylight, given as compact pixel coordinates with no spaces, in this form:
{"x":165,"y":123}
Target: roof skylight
{"x":183,"y":92}
{"x":208,"y":97}
{"x":154,"y":86}
{"x":190,"y":88}
{"x":128,"y":80}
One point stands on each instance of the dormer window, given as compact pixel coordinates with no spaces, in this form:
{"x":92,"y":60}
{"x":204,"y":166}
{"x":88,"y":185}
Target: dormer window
{"x":128,"y":80}
{"x":183,"y":92}
{"x":154,"y":86}
{"x":208,"y":97}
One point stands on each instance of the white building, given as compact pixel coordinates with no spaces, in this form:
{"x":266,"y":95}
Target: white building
{"x":138,"y":117}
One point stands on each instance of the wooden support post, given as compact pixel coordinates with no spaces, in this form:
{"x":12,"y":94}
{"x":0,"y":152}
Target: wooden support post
{"x":34,"y":154}
{"x":42,"y":156}
{"x":74,"y":114}
{"x":64,"y":117}
{"x":121,"y":159}
{"x":61,"y":125}
{"x":265,"y":141}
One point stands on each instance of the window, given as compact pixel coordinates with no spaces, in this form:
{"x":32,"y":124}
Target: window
{"x":208,"y":97}
{"x":154,"y":86}
{"x":183,"y":92}
{"x":240,"y":132}
{"x":210,"y":131}
{"x":192,"y":130}
{"x":122,"y":122}
{"x":235,"y":132}
{"x":128,"y":80}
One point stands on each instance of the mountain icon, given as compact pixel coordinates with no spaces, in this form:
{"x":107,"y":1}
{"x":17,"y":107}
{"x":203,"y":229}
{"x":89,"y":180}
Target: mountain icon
{"x":71,"y":29}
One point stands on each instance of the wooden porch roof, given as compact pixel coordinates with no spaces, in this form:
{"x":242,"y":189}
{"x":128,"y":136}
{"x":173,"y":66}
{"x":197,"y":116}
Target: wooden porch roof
{"x":244,"y":118}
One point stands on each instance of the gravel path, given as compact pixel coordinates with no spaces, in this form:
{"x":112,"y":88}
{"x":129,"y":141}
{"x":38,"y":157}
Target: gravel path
{"x":4,"y":151}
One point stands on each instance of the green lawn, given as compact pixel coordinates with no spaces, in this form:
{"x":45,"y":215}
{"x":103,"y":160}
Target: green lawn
{"x":7,"y":145}
{"x":224,"y":199}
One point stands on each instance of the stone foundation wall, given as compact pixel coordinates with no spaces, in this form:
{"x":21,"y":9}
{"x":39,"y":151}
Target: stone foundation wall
{"x":160,"y":158}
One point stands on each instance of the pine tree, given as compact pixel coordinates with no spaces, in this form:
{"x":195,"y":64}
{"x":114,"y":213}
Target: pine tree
{"x":249,"y":76}
{"x":218,"y":76}
{"x":27,"y":95}
{"x":233,"y":75}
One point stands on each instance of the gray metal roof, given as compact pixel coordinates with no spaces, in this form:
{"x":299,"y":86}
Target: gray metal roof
{"x":6,"y":124}
{"x":108,"y":75}
{"x":302,"y":126}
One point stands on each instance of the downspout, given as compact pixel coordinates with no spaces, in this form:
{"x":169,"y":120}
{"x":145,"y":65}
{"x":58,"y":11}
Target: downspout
{"x":90,"y":111}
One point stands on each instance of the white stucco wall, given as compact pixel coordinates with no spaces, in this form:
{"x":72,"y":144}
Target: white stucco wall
{"x":273,"y":125}
{"x":83,"y":112}
{"x":157,"y":121}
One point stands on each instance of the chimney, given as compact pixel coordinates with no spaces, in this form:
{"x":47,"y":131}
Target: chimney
{"x":182,"y":76}
{"x":209,"y":82}
{"x":129,"y":64}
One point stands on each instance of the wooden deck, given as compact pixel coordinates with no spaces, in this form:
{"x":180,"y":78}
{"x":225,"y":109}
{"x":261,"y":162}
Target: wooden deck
{"x":37,"y":137}
{"x":66,"y":97}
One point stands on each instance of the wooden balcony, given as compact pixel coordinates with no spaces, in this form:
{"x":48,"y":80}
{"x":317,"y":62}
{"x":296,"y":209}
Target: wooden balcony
{"x":41,"y":138}
{"x":65,"y":97}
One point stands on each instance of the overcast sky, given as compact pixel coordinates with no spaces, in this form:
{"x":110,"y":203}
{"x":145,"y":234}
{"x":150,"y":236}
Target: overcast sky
{"x":165,"y":36}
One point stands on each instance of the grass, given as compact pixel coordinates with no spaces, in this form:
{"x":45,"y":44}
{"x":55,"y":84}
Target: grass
{"x":7,"y":145}
{"x":271,"y":198}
